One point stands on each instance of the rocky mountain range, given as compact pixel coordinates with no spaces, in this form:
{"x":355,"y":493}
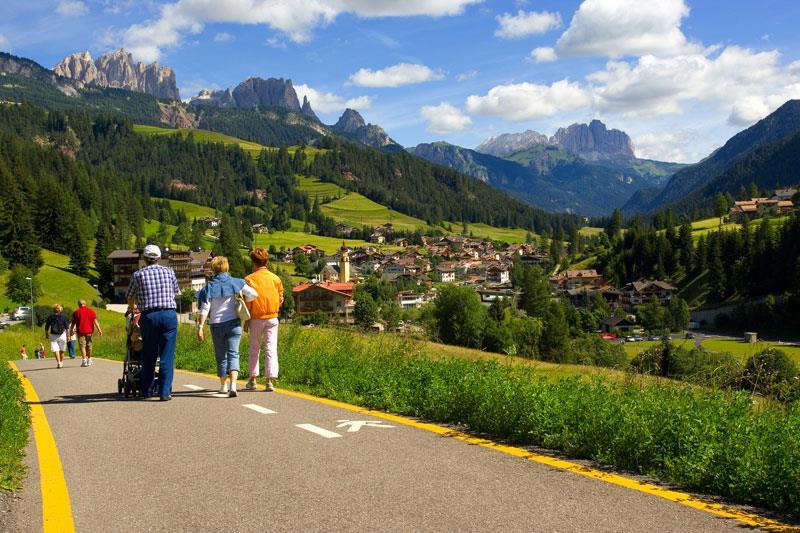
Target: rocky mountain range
{"x":255,"y":92}
{"x":117,"y":69}
{"x":591,"y":141}
{"x":353,"y":126}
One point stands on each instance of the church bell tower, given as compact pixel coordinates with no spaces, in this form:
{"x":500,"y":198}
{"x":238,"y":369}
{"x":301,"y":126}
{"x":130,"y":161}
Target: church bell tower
{"x":344,"y":264}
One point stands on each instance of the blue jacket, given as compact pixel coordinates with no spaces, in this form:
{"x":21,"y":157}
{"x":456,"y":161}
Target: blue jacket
{"x":219,"y":286}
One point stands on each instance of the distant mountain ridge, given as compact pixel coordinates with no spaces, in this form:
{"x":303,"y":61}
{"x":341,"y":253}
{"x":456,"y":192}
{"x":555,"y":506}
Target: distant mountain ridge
{"x":552,"y":178}
{"x":117,"y":69}
{"x":687,"y":184}
{"x":591,"y":141}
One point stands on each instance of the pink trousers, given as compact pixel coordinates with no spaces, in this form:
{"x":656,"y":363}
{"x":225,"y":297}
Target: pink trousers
{"x":266,"y":329}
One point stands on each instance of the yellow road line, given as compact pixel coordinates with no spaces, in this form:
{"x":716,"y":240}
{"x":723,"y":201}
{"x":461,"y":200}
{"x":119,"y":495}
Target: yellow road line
{"x":56,"y":509}
{"x":682,"y":498}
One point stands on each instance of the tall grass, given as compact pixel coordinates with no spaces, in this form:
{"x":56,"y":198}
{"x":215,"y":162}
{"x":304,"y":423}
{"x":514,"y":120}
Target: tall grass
{"x":14,"y":423}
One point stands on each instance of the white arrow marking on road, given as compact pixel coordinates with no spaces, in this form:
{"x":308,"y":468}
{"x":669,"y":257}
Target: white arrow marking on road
{"x":194,"y":387}
{"x":356,"y":425}
{"x":259,"y":409}
{"x":322,"y":432}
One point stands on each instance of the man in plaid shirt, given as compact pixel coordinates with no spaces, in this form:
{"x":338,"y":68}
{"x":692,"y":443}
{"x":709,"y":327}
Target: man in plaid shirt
{"x":153,"y":288}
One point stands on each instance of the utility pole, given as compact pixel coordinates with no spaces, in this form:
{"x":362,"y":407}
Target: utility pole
{"x":33,"y":313}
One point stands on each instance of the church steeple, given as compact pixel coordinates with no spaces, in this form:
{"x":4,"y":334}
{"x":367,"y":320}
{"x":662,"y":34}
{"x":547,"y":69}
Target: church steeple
{"x":344,"y":263}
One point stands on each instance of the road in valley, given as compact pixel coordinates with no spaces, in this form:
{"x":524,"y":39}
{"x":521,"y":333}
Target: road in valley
{"x":276,"y":462}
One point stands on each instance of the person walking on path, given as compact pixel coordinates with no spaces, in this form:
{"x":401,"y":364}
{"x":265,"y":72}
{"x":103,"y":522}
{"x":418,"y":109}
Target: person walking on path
{"x":71,"y":343}
{"x":40,"y":353}
{"x":55,"y":329}
{"x":23,"y":353}
{"x":84,"y":323}
{"x":153,"y":289}
{"x":218,"y":301}
{"x":264,"y":318}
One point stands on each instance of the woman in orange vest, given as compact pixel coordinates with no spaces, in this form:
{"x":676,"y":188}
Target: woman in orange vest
{"x":263,"y":323}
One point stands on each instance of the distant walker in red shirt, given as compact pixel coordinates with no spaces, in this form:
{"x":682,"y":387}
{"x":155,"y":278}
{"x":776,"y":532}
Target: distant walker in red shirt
{"x":84,"y":323}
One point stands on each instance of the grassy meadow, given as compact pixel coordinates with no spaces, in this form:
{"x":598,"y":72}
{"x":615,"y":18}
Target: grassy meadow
{"x":357,"y":210}
{"x":315,"y":188}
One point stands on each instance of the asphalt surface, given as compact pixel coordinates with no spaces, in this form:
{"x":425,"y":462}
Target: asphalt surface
{"x":207,"y":463}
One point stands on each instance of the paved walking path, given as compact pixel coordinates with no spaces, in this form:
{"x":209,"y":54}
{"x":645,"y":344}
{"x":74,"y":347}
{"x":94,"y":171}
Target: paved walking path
{"x":272,"y":461}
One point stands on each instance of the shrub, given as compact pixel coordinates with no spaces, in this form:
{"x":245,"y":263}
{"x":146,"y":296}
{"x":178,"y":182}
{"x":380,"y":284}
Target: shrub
{"x":592,"y":350}
{"x":770,"y":372}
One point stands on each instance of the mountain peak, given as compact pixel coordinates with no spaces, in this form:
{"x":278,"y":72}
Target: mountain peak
{"x":593,"y":141}
{"x":508,"y":143}
{"x":117,"y":69}
{"x":306,"y":109}
{"x":255,"y":92}
{"x":350,"y":121}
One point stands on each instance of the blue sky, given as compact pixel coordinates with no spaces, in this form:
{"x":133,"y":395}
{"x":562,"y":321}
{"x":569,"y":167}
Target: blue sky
{"x":680,"y":76}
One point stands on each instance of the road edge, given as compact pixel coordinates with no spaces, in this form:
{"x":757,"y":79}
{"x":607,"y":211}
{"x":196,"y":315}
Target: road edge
{"x":56,"y":507}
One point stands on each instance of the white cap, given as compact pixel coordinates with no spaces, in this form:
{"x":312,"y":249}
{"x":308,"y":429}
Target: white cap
{"x":151,"y":251}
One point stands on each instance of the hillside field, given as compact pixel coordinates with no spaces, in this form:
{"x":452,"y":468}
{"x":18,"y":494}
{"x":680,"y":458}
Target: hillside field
{"x":314,"y":187}
{"x":357,"y":210}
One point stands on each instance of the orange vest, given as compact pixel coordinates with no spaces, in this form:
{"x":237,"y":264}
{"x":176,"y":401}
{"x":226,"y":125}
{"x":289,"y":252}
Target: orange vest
{"x":270,"y":294}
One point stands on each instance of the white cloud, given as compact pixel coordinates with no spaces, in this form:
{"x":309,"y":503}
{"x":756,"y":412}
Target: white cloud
{"x":323,"y":102}
{"x":296,"y":19}
{"x":543,"y":54}
{"x":667,"y":146}
{"x":5,"y":44}
{"x":613,"y":28}
{"x":223,"y":37}
{"x":444,"y":118}
{"x":395,"y":76}
{"x":520,"y":102}
{"x":275,"y":42}
{"x":469,"y":75}
{"x":743,"y":84}
{"x":71,"y":8}
{"x":526,"y":23}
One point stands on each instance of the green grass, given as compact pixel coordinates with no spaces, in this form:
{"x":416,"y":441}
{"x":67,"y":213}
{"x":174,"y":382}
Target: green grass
{"x":313,"y":187}
{"x":192,"y":210}
{"x":744,"y":350}
{"x":291,"y":239}
{"x":632,"y":349}
{"x":589,"y":231}
{"x":484,"y":231}
{"x":14,"y":424}
{"x":357,"y":211}
{"x":254,"y":149}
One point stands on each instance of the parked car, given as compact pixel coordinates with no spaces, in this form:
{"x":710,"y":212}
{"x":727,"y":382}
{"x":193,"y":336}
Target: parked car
{"x":690,"y":335}
{"x":21,"y":312}
{"x":655,"y":338}
{"x":630,"y":339}
{"x":638,"y":338}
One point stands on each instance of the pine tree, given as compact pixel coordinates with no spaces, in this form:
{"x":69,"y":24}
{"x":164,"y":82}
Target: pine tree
{"x":229,"y":245}
{"x":103,"y":247}
{"x":19,"y":244}
{"x":79,"y":255}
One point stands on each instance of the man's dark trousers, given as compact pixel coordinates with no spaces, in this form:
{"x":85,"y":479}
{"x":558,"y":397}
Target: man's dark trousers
{"x":159,"y":334}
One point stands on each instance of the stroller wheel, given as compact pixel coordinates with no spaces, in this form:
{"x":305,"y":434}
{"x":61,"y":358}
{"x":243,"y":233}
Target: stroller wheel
{"x":128,"y":391}
{"x":119,"y":386}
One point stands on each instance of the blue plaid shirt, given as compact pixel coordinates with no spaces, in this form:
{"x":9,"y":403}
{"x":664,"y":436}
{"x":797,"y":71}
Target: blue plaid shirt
{"x":154,"y":287}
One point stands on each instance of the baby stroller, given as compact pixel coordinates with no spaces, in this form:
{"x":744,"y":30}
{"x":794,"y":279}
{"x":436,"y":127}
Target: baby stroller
{"x":128,"y":384}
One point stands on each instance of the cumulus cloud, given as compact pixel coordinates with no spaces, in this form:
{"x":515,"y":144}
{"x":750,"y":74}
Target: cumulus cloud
{"x":469,"y":75}
{"x":223,"y":37}
{"x":5,"y":44}
{"x":672,"y":146}
{"x":543,"y":54}
{"x":614,"y":28}
{"x":190,"y":88}
{"x":744,"y":84}
{"x":520,"y":102}
{"x":323,"y":102}
{"x":296,"y":20}
{"x":526,"y":23}
{"x":71,"y":8}
{"x":395,"y":76}
{"x":444,"y":118}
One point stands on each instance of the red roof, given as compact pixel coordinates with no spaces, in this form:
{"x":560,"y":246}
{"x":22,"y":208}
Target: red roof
{"x":340,"y":286}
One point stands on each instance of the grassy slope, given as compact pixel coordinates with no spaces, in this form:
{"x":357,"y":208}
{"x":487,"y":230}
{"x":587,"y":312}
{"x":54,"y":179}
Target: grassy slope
{"x":192,"y":210}
{"x":357,"y":210}
{"x":485,"y":231}
{"x":313,"y":187}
